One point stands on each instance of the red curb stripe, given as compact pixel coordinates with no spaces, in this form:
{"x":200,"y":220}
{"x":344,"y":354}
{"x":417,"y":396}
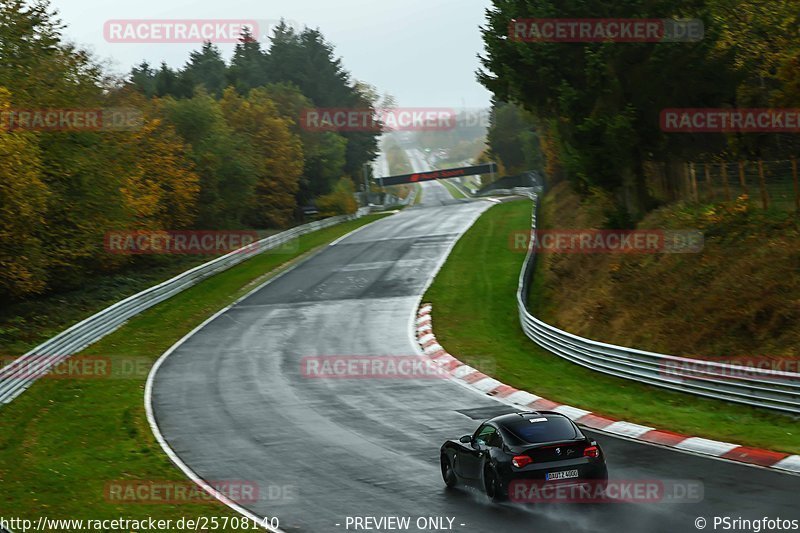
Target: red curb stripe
{"x":755,"y":456}
{"x":665,"y":438}
{"x":452,"y":365}
{"x":594,"y":421}
{"x":502,"y":391}
{"x":543,"y":405}
{"x":430,"y":343}
{"x":474,"y":377}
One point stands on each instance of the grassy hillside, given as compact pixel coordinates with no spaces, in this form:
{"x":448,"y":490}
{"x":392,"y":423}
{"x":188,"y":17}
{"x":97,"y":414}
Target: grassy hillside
{"x":739,"y":297}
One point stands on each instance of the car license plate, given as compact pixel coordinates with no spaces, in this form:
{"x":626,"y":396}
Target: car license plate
{"x":566,"y":474}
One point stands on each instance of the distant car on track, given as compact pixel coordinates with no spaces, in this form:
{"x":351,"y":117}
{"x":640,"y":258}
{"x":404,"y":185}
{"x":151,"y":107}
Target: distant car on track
{"x":540,"y":447}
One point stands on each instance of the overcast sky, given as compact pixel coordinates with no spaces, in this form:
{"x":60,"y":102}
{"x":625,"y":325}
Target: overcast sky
{"x":424,"y":52}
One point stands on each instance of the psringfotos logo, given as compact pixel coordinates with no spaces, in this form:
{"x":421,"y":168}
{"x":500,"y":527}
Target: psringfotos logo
{"x":619,"y":30}
{"x":71,"y":119}
{"x":591,"y":241}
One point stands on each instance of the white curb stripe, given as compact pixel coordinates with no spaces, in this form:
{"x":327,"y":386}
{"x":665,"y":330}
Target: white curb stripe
{"x":572,"y":412}
{"x":463,"y":371}
{"x":791,"y":463}
{"x":705,"y":446}
{"x":432,"y":349}
{"x":426,"y":338}
{"x":445,"y":360}
{"x":627,"y":429}
{"x":486,"y":384}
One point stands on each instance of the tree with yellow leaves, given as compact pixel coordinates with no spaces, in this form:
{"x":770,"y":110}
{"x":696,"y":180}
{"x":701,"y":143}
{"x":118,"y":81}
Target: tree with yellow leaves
{"x":23,"y":203}
{"x":277,"y":154}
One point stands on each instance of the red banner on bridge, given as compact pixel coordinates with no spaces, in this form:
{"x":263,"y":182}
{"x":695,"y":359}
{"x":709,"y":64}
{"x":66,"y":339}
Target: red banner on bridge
{"x":487,"y":168}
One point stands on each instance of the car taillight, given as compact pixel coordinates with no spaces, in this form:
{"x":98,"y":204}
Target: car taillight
{"x":591,"y":451}
{"x":521,"y":461}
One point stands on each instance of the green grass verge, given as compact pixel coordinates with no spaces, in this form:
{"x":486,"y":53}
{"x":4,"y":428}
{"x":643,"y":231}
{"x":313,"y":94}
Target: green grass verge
{"x":63,"y":440}
{"x":475,"y":317}
{"x":454,"y":191}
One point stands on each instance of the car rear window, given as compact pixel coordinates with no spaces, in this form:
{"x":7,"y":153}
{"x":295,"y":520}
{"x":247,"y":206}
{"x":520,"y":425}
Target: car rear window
{"x":547,"y":429}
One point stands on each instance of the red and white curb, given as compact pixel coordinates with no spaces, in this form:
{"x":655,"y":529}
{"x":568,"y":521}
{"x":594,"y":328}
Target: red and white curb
{"x":484,"y":384}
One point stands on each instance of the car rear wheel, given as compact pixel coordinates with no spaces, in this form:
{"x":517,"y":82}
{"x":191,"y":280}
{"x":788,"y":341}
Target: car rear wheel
{"x":448,"y":474}
{"x":491,"y":484}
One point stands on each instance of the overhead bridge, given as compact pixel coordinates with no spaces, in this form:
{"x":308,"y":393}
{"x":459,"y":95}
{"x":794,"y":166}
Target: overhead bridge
{"x":487,"y":168}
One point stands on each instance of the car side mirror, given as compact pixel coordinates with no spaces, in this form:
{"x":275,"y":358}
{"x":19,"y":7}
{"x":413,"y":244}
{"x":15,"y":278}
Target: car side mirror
{"x":466,"y":439}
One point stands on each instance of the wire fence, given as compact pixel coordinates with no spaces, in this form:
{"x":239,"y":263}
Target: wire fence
{"x":769,"y":184}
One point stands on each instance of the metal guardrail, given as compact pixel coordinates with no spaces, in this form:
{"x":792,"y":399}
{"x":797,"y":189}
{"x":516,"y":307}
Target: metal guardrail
{"x":21,"y":373}
{"x":742,"y":384}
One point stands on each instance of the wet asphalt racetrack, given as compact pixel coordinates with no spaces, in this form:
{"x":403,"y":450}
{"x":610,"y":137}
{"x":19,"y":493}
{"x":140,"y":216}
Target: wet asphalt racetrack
{"x":233,"y":404}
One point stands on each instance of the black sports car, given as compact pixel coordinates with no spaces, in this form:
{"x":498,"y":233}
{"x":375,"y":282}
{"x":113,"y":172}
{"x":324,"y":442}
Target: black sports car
{"x":529,"y":447}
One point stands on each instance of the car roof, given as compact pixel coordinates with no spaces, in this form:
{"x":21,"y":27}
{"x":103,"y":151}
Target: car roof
{"x":523,"y":415}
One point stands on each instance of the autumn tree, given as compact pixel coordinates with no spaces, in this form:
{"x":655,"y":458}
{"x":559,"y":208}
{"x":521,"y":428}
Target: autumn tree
{"x":223,"y":160}
{"x":23,"y":207}
{"x":276,"y":153}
